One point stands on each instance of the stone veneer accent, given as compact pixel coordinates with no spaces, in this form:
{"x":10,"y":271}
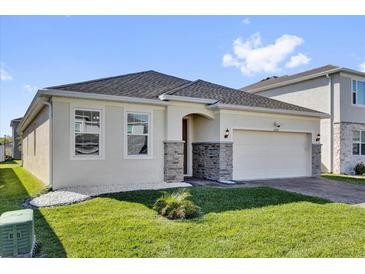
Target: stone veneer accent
{"x":316,"y":160}
{"x":213,"y":160}
{"x":344,"y":161}
{"x":173,"y":161}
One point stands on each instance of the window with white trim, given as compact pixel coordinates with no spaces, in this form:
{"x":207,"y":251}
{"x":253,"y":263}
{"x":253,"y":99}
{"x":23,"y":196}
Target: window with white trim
{"x":358,"y":92}
{"x":138,"y":134}
{"x":87,"y":133}
{"x":358,"y":142}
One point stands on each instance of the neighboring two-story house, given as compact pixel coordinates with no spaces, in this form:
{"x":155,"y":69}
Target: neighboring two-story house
{"x":337,"y":91}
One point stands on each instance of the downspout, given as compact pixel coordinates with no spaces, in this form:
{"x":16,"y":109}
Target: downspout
{"x":331,"y":121}
{"x":50,"y":163}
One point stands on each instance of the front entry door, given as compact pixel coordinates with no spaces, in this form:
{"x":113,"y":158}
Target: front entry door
{"x":185,"y":139}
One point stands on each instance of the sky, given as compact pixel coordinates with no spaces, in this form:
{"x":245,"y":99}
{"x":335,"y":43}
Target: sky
{"x":41,"y":51}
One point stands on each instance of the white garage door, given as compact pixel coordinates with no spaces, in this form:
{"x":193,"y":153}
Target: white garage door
{"x":264,"y":155}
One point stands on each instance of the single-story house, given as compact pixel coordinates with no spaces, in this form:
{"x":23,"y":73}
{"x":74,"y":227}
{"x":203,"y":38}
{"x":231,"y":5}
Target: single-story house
{"x":152,"y":127}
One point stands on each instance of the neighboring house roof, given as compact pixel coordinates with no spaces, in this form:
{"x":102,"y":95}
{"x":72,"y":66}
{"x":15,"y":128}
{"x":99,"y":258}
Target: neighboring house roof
{"x":15,"y":121}
{"x":274,"y":81}
{"x":152,"y":84}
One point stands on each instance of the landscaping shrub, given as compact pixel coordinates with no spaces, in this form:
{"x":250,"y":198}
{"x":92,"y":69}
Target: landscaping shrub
{"x":360,"y":169}
{"x":176,"y":205}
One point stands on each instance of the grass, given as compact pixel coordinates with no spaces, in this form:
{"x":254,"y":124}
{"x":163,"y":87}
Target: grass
{"x":240,"y":222}
{"x":344,"y":178}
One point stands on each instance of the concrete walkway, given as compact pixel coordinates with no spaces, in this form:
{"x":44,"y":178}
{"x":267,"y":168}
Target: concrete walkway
{"x":336,"y":191}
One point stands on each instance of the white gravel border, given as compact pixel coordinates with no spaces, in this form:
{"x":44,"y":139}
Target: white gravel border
{"x":77,"y":194}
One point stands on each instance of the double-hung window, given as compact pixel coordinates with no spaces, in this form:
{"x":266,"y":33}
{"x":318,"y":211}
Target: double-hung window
{"x":86,"y":133}
{"x":358,"y":142}
{"x":138,"y":139}
{"x":358,"y":92}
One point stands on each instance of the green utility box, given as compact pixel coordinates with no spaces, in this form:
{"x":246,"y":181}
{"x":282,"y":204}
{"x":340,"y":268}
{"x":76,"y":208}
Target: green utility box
{"x":17,"y":233}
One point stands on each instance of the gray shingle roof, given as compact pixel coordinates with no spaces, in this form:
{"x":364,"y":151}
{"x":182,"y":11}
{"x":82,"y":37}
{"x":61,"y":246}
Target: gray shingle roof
{"x":207,"y":90}
{"x":147,"y":84}
{"x":275,"y":80}
{"x":151,"y":84}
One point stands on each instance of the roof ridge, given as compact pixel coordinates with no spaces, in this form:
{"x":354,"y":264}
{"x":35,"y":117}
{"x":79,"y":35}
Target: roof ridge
{"x":176,"y":89}
{"x":102,"y":79}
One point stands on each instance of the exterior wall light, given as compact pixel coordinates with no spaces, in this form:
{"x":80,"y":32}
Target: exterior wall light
{"x":226,"y":134}
{"x":277,"y":125}
{"x":318,"y":137}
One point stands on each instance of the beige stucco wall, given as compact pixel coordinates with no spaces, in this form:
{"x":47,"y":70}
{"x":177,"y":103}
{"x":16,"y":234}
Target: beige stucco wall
{"x":177,"y":110}
{"x":349,"y":112}
{"x":265,"y":121}
{"x":206,"y":130}
{"x":314,"y":94}
{"x":114,"y":168}
{"x":205,"y":124}
{"x":35,"y":146}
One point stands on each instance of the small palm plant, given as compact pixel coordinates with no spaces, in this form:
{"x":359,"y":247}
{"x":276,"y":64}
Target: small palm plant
{"x":176,"y":205}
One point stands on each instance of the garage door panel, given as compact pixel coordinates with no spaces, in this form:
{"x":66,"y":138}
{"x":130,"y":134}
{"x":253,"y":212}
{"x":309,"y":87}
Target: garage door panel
{"x":263,"y":155}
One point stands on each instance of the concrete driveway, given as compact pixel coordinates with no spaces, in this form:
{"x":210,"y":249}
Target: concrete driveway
{"x":332,"y":190}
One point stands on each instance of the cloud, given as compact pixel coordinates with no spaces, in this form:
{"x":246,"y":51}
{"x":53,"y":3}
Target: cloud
{"x":246,"y":21}
{"x":30,"y":88}
{"x":252,"y":56}
{"x":362,"y":67}
{"x":297,"y":60}
{"x":4,"y":74}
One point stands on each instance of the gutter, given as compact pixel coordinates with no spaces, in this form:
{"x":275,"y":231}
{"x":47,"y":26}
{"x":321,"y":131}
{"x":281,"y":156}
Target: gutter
{"x":167,"y":97}
{"x":50,"y":163}
{"x":267,"y":110}
{"x":115,"y":98}
{"x":304,"y":78}
{"x":331,"y":121}
{"x":30,"y":113}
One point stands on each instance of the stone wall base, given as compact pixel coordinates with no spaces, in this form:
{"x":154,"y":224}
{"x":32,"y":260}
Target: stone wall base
{"x":316,"y":160}
{"x":213,"y":161}
{"x":173,"y":161}
{"x":344,"y":160}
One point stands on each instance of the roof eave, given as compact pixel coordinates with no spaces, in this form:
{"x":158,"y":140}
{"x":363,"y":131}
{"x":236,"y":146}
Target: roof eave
{"x":297,"y":80}
{"x":167,"y":97}
{"x":32,"y":110}
{"x":79,"y":95}
{"x":269,"y":110}
{"x":95,"y":96}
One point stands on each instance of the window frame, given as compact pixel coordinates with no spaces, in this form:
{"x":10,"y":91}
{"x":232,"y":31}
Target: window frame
{"x":356,"y":92}
{"x":149,"y":154}
{"x":360,"y":142}
{"x":101,"y":110}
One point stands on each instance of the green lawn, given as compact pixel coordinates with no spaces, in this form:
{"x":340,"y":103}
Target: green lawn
{"x":344,"y":178}
{"x":252,"y":222}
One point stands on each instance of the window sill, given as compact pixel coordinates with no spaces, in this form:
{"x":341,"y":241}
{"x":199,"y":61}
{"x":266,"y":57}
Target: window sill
{"x":87,"y":158}
{"x":137,"y":157}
